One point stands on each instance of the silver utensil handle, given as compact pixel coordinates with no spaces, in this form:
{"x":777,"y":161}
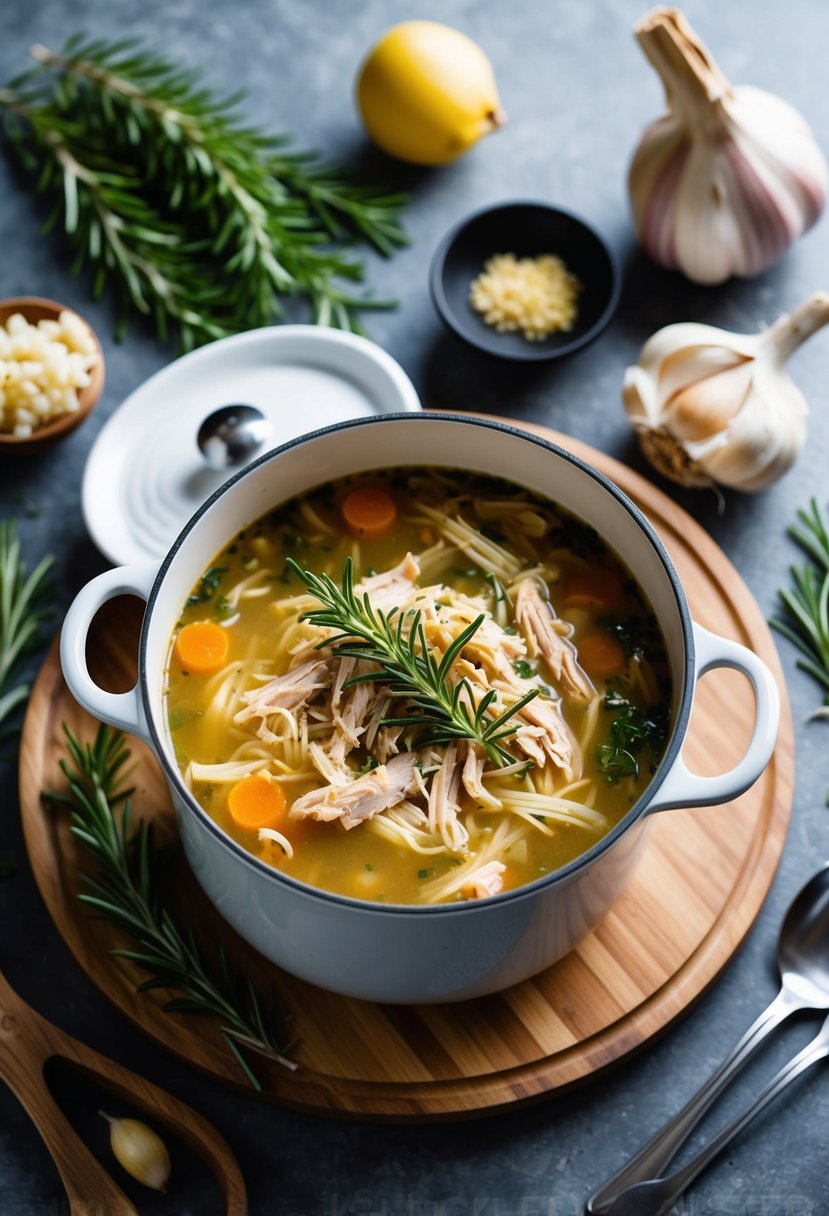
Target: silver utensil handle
{"x":651,"y":1160}
{"x":677,"y":1182}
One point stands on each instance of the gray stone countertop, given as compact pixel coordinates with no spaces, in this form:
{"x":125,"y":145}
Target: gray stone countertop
{"x":578,"y":91}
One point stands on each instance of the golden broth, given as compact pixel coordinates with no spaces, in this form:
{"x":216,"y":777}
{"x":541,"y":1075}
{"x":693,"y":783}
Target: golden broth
{"x":620,"y":731}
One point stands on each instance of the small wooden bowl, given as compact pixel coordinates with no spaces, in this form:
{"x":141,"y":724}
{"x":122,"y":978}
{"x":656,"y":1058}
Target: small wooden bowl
{"x":35,"y":309}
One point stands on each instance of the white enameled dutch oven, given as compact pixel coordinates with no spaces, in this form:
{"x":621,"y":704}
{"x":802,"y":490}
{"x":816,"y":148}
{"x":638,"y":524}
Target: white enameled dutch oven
{"x":401,"y":953}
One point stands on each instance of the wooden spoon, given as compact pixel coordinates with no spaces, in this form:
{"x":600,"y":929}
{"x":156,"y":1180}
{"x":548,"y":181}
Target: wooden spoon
{"x":28,"y":1042}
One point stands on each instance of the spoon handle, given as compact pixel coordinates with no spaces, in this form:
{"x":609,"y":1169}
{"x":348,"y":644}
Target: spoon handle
{"x":671,"y":1187}
{"x":652,"y":1158}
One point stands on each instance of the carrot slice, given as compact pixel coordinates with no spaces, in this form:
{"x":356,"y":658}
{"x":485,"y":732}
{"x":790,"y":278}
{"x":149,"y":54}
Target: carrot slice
{"x":602,"y":656}
{"x":368,"y":511}
{"x":256,"y":802}
{"x":597,"y":589}
{"x":202,"y":647}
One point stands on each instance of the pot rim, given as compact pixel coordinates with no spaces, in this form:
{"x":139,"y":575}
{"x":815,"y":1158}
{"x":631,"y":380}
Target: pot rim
{"x":528,"y":890}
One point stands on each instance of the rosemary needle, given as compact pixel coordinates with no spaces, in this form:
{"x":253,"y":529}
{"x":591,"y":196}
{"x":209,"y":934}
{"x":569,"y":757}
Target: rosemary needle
{"x":805,"y":604}
{"x":22,"y":609}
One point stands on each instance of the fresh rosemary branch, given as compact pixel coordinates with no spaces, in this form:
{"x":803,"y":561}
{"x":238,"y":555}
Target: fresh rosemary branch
{"x":405,"y":663}
{"x":22,"y":608}
{"x":129,"y":890}
{"x":193,"y":217}
{"x":805,"y":617}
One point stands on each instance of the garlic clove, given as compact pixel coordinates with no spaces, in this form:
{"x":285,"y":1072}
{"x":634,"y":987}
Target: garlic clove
{"x":708,"y":361}
{"x":711,"y":406}
{"x":141,"y":1152}
{"x":724,"y":182}
{"x":706,"y":407}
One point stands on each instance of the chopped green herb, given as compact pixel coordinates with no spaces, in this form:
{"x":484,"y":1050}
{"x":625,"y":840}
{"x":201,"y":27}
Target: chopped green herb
{"x":286,"y":576}
{"x":423,"y":873}
{"x":369,"y":866}
{"x":524,"y":669}
{"x":370,"y":764}
{"x":180,"y":717}
{"x":208,"y":585}
{"x":497,"y":587}
{"x":223,"y":608}
{"x":630,"y":731}
{"x":510,"y":629}
{"x":583,"y":540}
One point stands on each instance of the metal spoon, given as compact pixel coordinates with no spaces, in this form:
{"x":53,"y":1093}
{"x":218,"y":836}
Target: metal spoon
{"x":232,"y":435}
{"x":658,"y":1196}
{"x":803,"y":962}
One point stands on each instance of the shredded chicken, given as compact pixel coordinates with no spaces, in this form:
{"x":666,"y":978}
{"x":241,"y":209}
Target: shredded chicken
{"x":486,"y":880}
{"x":543,"y":734}
{"x":546,"y":728}
{"x":472,"y":774}
{"x":537,"y":619}
{"x":288,"y":692}
{"x":548,"y":737}
{"x":334,"y":773}
{"x":348,"y":708}
{"x":386,"y":589}
{"x":363,"y":798}
{"x":488,"y":640}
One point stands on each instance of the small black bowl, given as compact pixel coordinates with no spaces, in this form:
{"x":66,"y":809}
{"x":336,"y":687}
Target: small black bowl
{"x":527,"y":229}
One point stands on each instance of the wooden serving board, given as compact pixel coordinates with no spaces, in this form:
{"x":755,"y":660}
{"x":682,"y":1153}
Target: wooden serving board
{"x":701,"y":881}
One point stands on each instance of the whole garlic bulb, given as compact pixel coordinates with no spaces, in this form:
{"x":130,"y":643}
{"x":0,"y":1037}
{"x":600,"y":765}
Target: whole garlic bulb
{"x":729,"y":178}
{"x":713,"y":406}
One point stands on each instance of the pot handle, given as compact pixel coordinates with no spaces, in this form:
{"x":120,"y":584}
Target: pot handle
{"x":683,"y":788}
{"x":121,"y":709}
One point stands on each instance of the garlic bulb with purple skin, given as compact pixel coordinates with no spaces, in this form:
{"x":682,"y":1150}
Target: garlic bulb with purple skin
{"x":729,"y":178}
{"x":713,"y":406}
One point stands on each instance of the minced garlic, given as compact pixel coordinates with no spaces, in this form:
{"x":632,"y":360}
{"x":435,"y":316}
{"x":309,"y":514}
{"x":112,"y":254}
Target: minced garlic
{"x":43,"y":367}
{"x":536,"y":296}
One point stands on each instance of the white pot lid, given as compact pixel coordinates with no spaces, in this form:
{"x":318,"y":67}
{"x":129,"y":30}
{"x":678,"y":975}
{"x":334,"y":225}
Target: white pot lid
{"x":145,"y":475}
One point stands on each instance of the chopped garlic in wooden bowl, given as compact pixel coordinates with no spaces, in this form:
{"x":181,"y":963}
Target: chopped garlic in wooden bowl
{"x":44,"y":367}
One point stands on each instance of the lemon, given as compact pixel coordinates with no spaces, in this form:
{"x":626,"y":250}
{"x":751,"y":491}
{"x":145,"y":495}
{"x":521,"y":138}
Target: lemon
{"x":427,"y":93}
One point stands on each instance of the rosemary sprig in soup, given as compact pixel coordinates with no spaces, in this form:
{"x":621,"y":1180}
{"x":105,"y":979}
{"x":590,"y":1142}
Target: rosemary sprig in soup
{"x":395,"y":645}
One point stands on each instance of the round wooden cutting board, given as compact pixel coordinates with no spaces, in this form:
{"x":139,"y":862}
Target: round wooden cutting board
{"x":701,"y":881}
